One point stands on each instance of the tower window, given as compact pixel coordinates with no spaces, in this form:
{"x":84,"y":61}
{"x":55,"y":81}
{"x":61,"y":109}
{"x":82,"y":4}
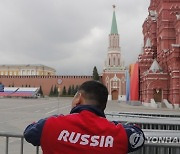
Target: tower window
{"x":114,"y":84}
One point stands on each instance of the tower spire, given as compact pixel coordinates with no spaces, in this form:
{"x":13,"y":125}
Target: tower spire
{"x":114,"y":6}
{"x":114,"y":29}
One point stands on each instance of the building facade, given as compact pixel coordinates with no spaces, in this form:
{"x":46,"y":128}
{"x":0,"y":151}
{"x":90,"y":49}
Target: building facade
{"x":159,"y":63}
{"x":24,"y":70}
{"x":114,"y":70}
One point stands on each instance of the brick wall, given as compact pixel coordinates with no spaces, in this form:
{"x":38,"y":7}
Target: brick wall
{"x":46,"y":82}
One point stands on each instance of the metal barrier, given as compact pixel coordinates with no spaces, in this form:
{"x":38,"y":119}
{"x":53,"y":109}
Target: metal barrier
{"x":149,"y":114}
{"x":161,"y":142}
{"x":157,"y":149}
{"x":148,"y":121}
{"x":157,"y":142}
{"x":13,"y":135}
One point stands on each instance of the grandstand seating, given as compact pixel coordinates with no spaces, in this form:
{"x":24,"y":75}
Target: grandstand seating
{"x":19,"y":92}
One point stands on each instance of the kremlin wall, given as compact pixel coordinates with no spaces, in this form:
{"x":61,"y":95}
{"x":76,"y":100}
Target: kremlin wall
{"x":46,"y":81}
{"x":153,"y":80}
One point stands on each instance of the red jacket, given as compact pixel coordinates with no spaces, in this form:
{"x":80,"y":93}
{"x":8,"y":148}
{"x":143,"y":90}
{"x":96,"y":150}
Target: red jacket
{"x":84,"y":131}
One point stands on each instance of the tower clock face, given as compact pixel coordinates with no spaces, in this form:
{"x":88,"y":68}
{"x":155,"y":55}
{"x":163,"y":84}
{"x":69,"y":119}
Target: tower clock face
{"x":59,"y":81}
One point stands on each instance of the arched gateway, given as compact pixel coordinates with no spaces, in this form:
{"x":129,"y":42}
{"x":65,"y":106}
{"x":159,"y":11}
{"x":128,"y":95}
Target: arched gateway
{"x":114,"y":95}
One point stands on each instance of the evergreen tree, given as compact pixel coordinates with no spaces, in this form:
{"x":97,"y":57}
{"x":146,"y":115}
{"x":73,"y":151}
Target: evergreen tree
{"x":76,"y":89}
{"x":40,"y":91}
{"x":69,"y":90}
{"x":95,"y":74}
{"x":55,"y":92}
{"x":51,"y":92}
{"x":64,"y":93}
{"x":73,"y":90}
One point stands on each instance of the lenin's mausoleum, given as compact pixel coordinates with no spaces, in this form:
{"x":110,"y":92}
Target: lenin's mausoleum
{"x":154,"y":79}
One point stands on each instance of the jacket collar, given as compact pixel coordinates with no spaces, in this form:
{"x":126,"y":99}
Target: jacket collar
{"x":90,"y":108}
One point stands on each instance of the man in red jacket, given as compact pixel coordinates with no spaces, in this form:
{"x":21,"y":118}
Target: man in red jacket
{"x":85,"y":130}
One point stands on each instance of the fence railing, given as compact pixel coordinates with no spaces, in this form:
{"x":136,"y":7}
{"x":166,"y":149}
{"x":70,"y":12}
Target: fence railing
{"x":157,"y":142}
{"x":148,"y":121}
{"x":161,"y":142}
{"x":7,"y":136}
{"x":133,"y":114}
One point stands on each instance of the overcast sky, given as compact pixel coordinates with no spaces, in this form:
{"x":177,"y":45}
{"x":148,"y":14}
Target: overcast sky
{"x":68,"y":35}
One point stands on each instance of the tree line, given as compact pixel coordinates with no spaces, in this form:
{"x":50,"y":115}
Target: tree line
{"x":71,"y":91}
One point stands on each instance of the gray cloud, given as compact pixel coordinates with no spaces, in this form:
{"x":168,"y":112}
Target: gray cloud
{"x":70,"y":36}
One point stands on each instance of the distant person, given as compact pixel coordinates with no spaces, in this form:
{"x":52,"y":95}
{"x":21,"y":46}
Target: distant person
{"x":1,"y":87}
{"x":85,"y":130}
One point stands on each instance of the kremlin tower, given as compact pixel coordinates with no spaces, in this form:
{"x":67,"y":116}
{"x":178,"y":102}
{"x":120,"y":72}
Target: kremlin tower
{"x":114,"y":71}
